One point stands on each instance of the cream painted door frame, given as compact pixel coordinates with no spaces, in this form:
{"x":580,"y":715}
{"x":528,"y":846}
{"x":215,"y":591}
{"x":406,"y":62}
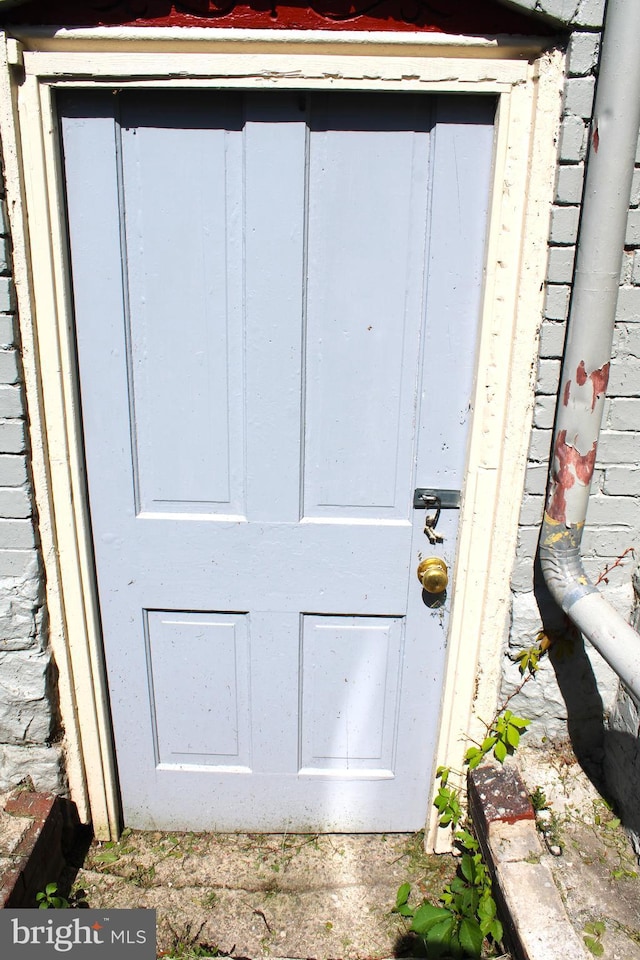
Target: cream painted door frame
{"x":526,"y":127}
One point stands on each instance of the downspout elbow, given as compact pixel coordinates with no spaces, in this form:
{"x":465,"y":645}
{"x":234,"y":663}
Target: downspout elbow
{"x":615,"y":639}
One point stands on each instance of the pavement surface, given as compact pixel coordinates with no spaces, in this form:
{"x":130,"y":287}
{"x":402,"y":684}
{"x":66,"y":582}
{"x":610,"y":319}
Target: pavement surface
{"x":330,"y":896}
{"x":266,"y":896}
{"x":588,"y":853}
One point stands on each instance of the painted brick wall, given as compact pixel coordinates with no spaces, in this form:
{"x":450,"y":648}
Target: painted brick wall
{"x":28,"y":722}
{"x":573,"y":691}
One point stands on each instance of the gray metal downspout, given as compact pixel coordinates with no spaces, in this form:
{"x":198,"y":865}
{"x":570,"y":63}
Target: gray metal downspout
{"x":585,"y":372}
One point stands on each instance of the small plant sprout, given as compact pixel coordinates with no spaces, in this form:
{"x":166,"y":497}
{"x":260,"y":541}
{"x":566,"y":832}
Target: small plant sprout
{"x":50,"y":899}
{"x":468,"y":912}
{"x":593,"y":933}
{"x":503,"y":737}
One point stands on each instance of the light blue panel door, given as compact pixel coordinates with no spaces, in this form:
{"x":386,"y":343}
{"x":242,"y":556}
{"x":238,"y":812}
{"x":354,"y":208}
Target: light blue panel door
{"x":276,"y":303}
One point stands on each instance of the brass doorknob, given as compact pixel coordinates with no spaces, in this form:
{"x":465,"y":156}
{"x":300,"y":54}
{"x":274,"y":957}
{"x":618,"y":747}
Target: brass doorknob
{"x":433,"y":575}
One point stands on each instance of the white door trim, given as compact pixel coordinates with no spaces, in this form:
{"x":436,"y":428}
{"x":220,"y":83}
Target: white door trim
{"x":526,"y":130}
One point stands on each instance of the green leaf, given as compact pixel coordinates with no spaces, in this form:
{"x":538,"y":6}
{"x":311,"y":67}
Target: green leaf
{"x":500,"y":751}
{"x":467,"y":867}
{"x":467,"y":839}
{"x":405,"y":910}
{"x":594,"y":946}
{"x":403,"y":895}
{"x":51,"y":888}
{"x":487,"y":744}
{"x":513,"y":736}
{"x":107,"y":856}
{"x":471,"y":937}
{"x":487,"y":908}
{"x":427,"y":916}
{"x":496,"y":931}
{"x":439,"y":937}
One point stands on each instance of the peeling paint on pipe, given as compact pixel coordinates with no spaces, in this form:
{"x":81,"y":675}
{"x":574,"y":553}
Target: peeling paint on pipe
{"x":585,"y":371}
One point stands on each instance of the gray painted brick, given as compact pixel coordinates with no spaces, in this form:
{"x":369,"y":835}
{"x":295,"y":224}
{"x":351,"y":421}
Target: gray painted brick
{"x":25,"y":713}
{"x":624,"y":377}
{"x":9,"y":369}
{"x":560,"y":267}
{"x":540,"y":445}
{"x":573,"y":140}
{"x":527,"y":543}
{"x":556,"y":304}
{"x":569,"y":183}
{"x":624,"y":414}
{"x":564,"y":225}
{"x":548,"y":376}
{"x":590,"y":13}
{"x":12,"y":436}
{"x":44,"y":764}
{"x":626,"y":270}
{"x":628,"y":307}
{"x":617,"y":447}
{"x":535,"y":480}
{"x":20,"y":623}
{"x":7,"y":295}
{"x":4,"y":219}
{"x":7,"y":331}
{"x":597,"y":480}
{"x":522,"y":575}
{"x":582,"y":54}
{"x":564,"y":10}
{"x":552,"y":336}
{"x":5,"y":255}
{"x":635,"y":272}
{"x":544,"y":412}
{"x":13,"y":470}
{"x":16,"y":534}
{"x":613,"y":511}
{"x":19,"y":563}
{"x":605,"y":542}
{"x":11,"y":402}
{"x":622,"y":481}
{"x":635,"y":188}
{"x":531,"y":510}
{"x":626,"y":340}
{"x":632,"y":238}
{"x":15,"y":502}
{"x":596,"y":566}
{"x":578,"y":96}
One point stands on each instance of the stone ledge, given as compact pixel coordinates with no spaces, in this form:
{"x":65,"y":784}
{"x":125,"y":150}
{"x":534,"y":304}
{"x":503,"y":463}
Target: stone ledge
{"x":536,"y":923}
{"x":36,"y":830}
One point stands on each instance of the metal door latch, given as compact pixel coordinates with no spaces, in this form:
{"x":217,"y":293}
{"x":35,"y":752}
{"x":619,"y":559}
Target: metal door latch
{"x":435,"y":501}
{"x":430,"y":521}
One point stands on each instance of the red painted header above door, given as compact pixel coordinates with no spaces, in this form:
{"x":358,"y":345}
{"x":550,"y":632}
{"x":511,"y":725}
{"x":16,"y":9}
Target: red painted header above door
{"x":436,"y":16}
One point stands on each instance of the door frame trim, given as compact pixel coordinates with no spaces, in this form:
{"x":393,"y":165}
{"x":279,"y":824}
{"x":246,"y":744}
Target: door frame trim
{"x":528,"y":90}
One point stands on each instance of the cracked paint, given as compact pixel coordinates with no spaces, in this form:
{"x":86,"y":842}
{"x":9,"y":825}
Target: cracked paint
{"x":569,"y":465}
{"x":599,"y":379}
